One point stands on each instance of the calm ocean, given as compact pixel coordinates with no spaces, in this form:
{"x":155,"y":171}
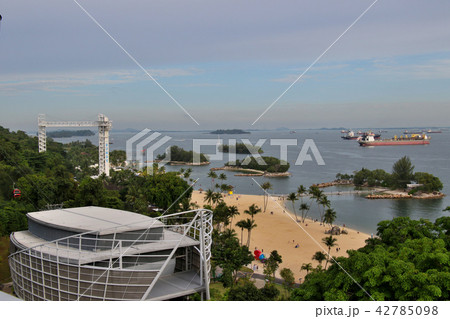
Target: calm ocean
{"x":340,"y":156}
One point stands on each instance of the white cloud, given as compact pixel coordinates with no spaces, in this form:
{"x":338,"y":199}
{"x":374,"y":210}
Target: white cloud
{"x":72,"y":82}
{"x":437,"y":69}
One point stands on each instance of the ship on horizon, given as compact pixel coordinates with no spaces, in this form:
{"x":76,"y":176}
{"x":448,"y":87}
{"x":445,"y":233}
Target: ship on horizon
{"x":414,"y":139}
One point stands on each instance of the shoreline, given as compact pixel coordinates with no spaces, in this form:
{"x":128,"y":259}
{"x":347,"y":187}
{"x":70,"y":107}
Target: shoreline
{"x":250,"y":172}
{"x":277,"y":230}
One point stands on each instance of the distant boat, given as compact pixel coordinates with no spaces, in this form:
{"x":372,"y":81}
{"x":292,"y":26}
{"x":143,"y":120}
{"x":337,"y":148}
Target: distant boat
{"x":352,"y":136}
{"x":430,"y":131}
{"x":413,"y":132}
{"x":292,"y":132}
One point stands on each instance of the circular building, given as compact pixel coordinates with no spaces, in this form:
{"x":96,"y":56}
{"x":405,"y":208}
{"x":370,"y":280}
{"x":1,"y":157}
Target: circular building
{"x":95,"y":253}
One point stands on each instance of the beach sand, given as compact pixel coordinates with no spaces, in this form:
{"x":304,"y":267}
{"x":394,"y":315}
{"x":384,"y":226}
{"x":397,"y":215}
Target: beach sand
{"x":279,"y":231}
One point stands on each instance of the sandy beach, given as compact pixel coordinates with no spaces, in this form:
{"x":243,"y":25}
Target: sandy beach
{"x":277,"y":230}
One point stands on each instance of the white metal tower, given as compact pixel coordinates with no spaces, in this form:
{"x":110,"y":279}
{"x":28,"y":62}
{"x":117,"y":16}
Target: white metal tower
{"x":104,"y":125}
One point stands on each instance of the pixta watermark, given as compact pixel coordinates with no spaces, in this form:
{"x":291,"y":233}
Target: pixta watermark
{"x":148,"y":148}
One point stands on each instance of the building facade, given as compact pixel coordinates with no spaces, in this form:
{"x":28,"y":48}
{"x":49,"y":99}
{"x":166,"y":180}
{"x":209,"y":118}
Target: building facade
{"x":94,"y":253}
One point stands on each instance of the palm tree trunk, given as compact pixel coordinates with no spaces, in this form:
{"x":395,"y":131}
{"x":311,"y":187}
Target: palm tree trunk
{"x":328,"y":257}
{"x":248,"y":239}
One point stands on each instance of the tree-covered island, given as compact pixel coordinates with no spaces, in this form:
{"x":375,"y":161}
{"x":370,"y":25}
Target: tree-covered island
{"x":67,"y":133}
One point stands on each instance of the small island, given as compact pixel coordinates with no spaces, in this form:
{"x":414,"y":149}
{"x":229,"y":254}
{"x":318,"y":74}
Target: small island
{"x":234,"y":131}
{"x":273,"y":167}
{"x":179,"y":156}
{"x":66,"y":133}
{"x":403,"y":182}
{"x":241,"y":148}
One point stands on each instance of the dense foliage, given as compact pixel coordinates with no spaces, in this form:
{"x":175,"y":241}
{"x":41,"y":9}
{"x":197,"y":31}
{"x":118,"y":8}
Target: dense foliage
{"x":269,"y":164}
{"x":178,"y":154}
{"x":402,"y":174}
{"x":240,"y":148}
{"x":229,"y":255}
{"x":62,"y":175}
{"x":410,"y":260}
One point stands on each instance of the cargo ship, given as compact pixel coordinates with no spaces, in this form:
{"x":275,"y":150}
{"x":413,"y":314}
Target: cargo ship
{"x":352,"y":136}
{"x":414,"y":139}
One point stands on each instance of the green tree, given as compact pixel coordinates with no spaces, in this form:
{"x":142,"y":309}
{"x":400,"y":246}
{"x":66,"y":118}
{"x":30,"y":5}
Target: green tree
{"x":117,"y":157}
{"x":221,"y":215}
{"x":212,"y":175}
{"x":245,"y":291}
{"x":232,"y":212}
{"x":293,"y":197}
{"x":402,"y":172}
{"x":217,"y":198}
{"x":247,"y":224}
{"x":252,"y":210}
{"x":222,"y":177}
{"x":330,"y":242}
{"x":430,"y":183}
{"x":326,"y":204}
{"x":307,"y":267}
{"x":288,"y":277}
{"x":266,"y":186}
{"x":272,"y":264}
{"x":241,"y":224}
{"x":209,"y":196}
{"x":409,"y":261}
{"x":91,"y":193}
{"x":316,"y":194}
{"x":11,"y":220}
{"x":229,"y":255}
{"x":319,"y":256}
{"x":329,"y":216}
{"x":304,"y":208}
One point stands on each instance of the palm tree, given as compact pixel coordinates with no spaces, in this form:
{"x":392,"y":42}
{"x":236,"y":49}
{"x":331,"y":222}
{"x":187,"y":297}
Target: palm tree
{"x":249,"y":224}
{"x":209,"y":196}
{"x":232,"y":211}
{"x":301,"y":190}
{"x":212,"y":175}
{"x":253,"y":210}
{"x":228,"y":233}
{"x":329,"y":242}
{"x":316,"y":194}
{"x":319,"y":256}
{"x":325,"y":202}
{"x":193,"y":205}
{"x":304,"y":208}
{"x":216,"y":198}
{"x":330,"y":216}
{"x":186,"y":173}
{"x":293,"y":197}
{"x":241,"y":224}
{"x":222,"y":177}
{"x":308,"y":267}
{"x":266,"y":186}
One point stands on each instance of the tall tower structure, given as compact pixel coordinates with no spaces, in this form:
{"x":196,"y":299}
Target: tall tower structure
{"x":104,"y":126}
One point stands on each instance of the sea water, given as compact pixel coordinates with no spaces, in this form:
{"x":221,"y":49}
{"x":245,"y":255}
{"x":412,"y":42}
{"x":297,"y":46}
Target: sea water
{"x":340,"y":156}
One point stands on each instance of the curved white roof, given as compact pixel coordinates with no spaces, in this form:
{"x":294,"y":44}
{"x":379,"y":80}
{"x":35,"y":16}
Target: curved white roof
{"x":94,"y":219}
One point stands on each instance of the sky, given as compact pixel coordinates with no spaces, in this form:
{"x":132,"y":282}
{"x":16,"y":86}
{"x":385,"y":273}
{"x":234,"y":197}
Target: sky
{"x":226,"y":64}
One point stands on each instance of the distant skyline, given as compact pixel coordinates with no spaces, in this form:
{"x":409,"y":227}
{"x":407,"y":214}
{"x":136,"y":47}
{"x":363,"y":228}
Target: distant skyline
{"x":225,"y":62}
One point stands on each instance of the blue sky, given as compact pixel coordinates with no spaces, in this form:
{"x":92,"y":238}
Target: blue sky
{"x":225,"y":62}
